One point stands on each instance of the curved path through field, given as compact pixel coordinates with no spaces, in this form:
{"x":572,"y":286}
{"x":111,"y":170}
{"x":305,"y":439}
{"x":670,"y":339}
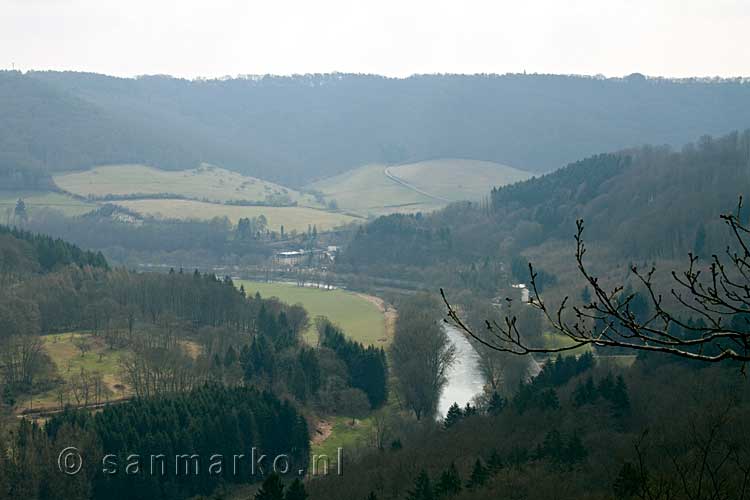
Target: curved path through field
{"x":387,"y":172}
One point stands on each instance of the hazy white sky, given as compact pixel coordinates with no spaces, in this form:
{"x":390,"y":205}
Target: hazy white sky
{"x":192,"y":38}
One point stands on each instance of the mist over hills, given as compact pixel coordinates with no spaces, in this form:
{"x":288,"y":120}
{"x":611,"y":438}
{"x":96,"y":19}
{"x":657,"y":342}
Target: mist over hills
{"x":294,"y":130}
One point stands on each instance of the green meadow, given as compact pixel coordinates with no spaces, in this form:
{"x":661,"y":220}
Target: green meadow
{"x":357,"y":315}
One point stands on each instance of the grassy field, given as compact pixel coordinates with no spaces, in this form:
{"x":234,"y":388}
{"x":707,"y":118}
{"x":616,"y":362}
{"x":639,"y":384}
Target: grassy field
{"x":456,"y":179}
{"x":343,"y":435}
{"x":42,"y":199}
{"x":359,"y":317}
{"x":68,"y":360}
{"x":206,"y":182}
{"x":292,"y":218}
{"x":368,"y":191}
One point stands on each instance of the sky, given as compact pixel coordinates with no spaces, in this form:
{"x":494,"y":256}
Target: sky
{"x":216,"y":38}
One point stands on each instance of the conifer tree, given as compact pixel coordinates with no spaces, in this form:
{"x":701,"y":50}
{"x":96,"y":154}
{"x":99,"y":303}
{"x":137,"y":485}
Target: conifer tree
{"x":230,"y":357}
{"x":495,"y":463}
{"x":620,"y":398}
{"x":272,"y":488}
{"x":422,"y":488}
{"x":479,"y":475}
{"x":453,"y":416}
{"x":296,"y":491}
{"x":449,"y":483}
{"x":575,"y":452}
{"x":496,"y":404}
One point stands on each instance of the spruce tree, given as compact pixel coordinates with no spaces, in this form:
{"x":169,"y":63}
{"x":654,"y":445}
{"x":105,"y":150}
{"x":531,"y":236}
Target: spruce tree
{"x":496,"y":404}
{"x":453,"y":416}
{"x":620,"y":398}
{"x":230,"y":357}
{"x":479,"y":475}
{"x":470,"y":410}
{"x":574,"y":451}
{"x":296,"y":491}
{"x":495,"y":463}
{"x":272,"y":488}
{"x":422,"y":488}
{"x":449,"y":483}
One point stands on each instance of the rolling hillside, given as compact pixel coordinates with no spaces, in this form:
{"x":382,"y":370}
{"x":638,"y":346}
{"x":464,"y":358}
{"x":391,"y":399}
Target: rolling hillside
{"x":207,"y":183}
{"x":457,"y":179}
{"x":295,"y":130}
{"x":415,"y":187}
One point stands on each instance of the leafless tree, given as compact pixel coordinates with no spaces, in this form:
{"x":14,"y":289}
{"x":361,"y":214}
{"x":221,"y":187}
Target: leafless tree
{"x":82,"y":344}
{"x":717,"y":295}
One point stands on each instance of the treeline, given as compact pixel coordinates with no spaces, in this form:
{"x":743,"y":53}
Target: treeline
{"x":23,"y":251}
{"x":268,"y":201}
{"x":190,"y":242}
{"x":367,"y":366}
{"x":172,"y":447}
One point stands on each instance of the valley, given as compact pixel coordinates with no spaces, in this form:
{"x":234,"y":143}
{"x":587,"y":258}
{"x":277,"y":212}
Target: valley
{"x":321,"y":262}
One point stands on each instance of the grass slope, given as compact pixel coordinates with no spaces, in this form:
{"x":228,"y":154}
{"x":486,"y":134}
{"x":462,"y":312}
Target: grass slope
{"x":360,"y":318}
{"x":204,"y":183}
{"x":368,"y":191}
{"x":42,"y":199}
{"x":291,"y":218}
{"x":457,"y":179}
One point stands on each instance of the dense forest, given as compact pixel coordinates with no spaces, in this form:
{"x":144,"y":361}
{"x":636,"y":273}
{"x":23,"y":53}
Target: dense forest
{"x":60,"y":121}
{"x":203,"y":368}
{"x":207,"y":427}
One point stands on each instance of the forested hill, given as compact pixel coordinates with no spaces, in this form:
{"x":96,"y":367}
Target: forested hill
{"x":23,"y":253}
{"x":45,"y":127}
{"x":648,"y":202}
{"x":296,"y":129}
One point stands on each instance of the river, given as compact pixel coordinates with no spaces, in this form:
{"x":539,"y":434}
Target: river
{"x":464,"y":378}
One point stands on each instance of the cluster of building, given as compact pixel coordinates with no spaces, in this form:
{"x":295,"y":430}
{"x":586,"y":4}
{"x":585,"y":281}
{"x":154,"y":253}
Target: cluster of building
{"x":313,"y":257}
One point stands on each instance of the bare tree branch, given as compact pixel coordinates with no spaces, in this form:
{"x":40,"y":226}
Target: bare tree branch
{"x":720,"y":299}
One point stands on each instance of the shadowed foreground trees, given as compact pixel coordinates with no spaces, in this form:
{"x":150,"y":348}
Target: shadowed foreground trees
{"x":710,"y":321}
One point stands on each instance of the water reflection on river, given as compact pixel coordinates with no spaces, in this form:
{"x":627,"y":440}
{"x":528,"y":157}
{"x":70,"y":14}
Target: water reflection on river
{"x":464,"y":378}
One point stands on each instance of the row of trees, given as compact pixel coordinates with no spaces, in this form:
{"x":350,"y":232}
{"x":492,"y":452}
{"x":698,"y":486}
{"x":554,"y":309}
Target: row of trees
{"x":367,"y":366}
